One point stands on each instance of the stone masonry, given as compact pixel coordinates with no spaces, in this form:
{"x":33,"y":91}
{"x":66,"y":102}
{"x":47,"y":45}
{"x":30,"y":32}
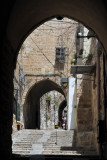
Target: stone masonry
{"x":37,"y":56}
{"x":38,"y":62}
{"x":49,"y":110}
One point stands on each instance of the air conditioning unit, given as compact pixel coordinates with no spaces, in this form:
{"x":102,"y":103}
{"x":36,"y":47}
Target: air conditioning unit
{"x":64,"y":80}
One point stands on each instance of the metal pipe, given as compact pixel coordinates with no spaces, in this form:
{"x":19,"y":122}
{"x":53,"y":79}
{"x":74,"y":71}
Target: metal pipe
{"x":86,"y":36}
{"x":38,"y":75}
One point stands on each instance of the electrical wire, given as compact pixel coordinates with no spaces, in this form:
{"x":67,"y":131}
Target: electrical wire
{"x":56,"y":27}
{"x":64,"y":22}
{"x":67,"y":30}
{"x":44,"y":54}
{"x":54,"y":35}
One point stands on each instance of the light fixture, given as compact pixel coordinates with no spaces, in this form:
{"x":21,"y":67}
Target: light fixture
{"x":89,"y":35}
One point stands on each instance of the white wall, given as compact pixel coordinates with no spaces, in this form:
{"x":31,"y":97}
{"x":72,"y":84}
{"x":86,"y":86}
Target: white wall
{"x":71,"y":104}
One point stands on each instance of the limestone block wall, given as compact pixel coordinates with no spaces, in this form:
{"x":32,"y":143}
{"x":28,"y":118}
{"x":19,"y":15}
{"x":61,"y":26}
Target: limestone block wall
{"x":85,"y":91}
{"x":43,"y":42}
{"x":38,"y":52}
{"x":34,"y":79}
{"x":49,"y":107}
{"x":87,"y":113}
{"x":85,"y":133}
{"x":37,"y":56}
{"x":95,"y":103}
{"x":19,"y":86}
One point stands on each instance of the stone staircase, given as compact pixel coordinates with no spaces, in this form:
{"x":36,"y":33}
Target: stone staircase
{"x":22,"y":143}
{"x":53,"y":147}
{"x":46,"y":142}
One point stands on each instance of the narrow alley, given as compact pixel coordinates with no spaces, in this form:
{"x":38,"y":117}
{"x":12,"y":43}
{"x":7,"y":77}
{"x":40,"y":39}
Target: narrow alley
{"x":53,"y":80}
{"x":57,"y":91}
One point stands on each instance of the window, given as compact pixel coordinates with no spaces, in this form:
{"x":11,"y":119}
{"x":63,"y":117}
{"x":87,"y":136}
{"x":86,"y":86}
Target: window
{"x":60,"y":55}
{"x":60,"y":59}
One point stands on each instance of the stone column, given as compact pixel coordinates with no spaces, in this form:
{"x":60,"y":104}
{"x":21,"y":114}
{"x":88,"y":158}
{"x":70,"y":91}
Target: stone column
{"x":71,"y":104}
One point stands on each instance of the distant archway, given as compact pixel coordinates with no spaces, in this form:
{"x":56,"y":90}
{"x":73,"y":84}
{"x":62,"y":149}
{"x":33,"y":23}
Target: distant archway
{"x":32,"y":102}
{"x":61,"y":108}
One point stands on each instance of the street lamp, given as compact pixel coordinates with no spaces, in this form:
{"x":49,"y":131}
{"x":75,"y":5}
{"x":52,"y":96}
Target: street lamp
{"x":89,"y":35}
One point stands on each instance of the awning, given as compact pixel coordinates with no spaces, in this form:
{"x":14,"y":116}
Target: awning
{"x":81,"y":69}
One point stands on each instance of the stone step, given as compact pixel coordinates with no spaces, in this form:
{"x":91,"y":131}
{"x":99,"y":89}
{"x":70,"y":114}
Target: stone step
{"x":24,"y":149}
{"x":27,"y":143}
{"x":23,"y":143}
{"x":53,"y":147}
{"x":68,"y":152}
{"x":56,"y":150}
{"x":49,"y":145}
{"x":54,"y":157}
{"x":20,"y":151}
{"x":20,"y":146}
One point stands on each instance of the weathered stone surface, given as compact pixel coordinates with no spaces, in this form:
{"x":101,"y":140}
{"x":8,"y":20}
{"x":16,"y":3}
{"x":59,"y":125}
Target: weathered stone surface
{"x":85,"y":139}
{"x":31,"y":142}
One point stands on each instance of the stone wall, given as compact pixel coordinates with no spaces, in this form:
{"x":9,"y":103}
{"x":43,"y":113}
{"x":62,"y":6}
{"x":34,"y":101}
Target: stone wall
{"x":98,"y":113}
{"x":88,"y":112}
{"x":39,"y":62}
{"x":19,"y":86}
{"x":37,"y":56}
{"x":49,"y":109}
{"x":39,"y":50}
{"x":85,"y":131}
{"x":40,"y":47}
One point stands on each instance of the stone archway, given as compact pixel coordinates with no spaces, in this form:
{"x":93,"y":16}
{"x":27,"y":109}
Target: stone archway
{"x":61,"y":108}
{"x":92,"y":14}
{"x":32,"y":102}
{"x":24,"y":17}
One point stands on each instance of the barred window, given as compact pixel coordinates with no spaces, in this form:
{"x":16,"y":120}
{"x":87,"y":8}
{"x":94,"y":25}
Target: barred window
{"x":60,"y":55}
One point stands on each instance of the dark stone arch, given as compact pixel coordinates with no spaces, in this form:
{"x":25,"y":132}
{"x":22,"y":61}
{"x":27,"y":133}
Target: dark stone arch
{"x":24,"y":17}
{"x":92,"y":14}
{"x":32,"y":102}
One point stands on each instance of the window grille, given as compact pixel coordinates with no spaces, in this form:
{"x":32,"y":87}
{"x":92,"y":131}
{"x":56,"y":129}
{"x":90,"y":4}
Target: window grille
{"x":60,"y":55}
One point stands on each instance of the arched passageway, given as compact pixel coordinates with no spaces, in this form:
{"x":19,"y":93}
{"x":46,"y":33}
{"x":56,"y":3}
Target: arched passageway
{"x":61,"y":108}
{"x":32,"y":102}
{"x":92,"y":14}
{"x":24,"y":17}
